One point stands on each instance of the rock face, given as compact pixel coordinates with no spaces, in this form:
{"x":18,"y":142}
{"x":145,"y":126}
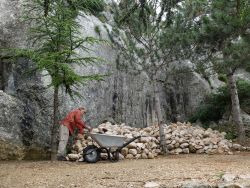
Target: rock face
{"x":11,"y":113}
{"x":122,"y":97}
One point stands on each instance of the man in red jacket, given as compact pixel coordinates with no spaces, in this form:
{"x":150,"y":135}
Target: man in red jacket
{"x":67,"y":125}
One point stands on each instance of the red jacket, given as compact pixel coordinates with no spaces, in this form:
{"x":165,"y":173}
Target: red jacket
{"x":74,"y":120}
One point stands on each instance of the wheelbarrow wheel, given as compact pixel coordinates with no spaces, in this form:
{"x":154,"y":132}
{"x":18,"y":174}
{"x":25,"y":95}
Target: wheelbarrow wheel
{"x":91,"y":154}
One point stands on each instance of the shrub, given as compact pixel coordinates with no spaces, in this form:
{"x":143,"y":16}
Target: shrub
{"x":214,"y":105}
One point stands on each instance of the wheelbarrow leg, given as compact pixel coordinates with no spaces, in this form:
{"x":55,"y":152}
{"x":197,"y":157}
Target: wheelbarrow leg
{"x":106,"y":151}
{"x":112,"y":156}
{"x":109,"y":153}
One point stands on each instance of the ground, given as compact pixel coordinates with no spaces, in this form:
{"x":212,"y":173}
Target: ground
{"x":169,"y":171}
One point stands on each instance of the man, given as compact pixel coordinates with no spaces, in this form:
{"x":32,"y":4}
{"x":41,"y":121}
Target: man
{"x":67,"y":125}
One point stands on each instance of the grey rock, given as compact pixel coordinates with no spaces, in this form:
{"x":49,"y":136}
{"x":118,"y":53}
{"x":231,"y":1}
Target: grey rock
{"x":234,"y":185}
{"x":11,"y":116}
{"x":184,"y":145}
{"x":228,"y":185}
{"x":121,"y":157}
{"x":170,"y":147}
{"x":196,"y":184}
{"x":199,"y":151}
{"x":176,"y":145}
{"x":244,"y":176}
{"x":237,"y":147}
{"x":73,"y":157}
{"x":151,"y":184}
{"x":132,"y":151}
{"x":11,"y":127}
{"x":178,"y":150}
{"x":129,"y":156}
{"x":150,"y":155}
{"x":192,"y":149}
{"x":186,"y":150}
{"x":228,"y":177}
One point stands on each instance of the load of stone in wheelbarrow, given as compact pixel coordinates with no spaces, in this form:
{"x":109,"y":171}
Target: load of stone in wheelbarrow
{"x":181,"y":138}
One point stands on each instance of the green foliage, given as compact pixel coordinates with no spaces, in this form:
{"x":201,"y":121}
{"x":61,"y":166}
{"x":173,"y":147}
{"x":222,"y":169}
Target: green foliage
{"x":57,"y":43}
{"x":222,"y":77}
{"x":134,"y":15}
{"x":97,"y":30}
{"x":93,"y":6}
{"x":150,"y":42}
{"x":228,"y":128}
{"x":212,"y":108}
{"x":244,"y":95}
{"x":215,"y":105}
{"x":102,"y":18}
{"x":219,"y":26}
{"x":231,"y":135}
{"x":220,"y":175}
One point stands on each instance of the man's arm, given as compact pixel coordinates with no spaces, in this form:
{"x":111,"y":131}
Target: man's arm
{"x":80,"y":124}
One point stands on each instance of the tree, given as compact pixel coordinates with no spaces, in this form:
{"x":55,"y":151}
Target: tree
{"x":147,"y":49}
{"x":55,"y":36}
{"x":221,"y":33}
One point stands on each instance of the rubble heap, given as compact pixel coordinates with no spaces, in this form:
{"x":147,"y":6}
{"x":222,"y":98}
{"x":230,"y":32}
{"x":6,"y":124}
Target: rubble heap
{"x":181,"y":138}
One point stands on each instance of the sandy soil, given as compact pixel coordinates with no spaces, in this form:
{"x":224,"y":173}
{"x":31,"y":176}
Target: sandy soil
{"x":170,"y":171}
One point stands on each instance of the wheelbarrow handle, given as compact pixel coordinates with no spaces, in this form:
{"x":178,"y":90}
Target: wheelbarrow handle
{"x":127,"y":143}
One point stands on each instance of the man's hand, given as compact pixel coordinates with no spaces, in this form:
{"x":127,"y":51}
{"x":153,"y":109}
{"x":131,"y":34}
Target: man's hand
{"x":79,"y":136}
{"x":89,"y":128}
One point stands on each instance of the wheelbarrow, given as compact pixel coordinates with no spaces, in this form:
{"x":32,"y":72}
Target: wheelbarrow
{"x":110,"y":144}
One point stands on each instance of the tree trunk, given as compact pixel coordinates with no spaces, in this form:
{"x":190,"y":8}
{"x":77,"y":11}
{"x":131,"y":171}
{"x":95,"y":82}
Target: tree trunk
{"x":46,"y":7}
{"x":236,"y":114}
{"x":55,"y":125}
{"x":160,"y":118}
{"x":2,"y":75}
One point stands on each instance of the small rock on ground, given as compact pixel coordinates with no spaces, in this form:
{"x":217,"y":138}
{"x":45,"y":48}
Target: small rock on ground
{"x":151,"y":184}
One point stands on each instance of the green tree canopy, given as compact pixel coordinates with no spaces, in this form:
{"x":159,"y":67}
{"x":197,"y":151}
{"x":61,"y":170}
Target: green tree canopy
{"x":56,"y":45}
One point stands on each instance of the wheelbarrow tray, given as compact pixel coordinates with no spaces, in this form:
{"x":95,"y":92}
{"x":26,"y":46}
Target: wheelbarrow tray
{"x":108,"y":141}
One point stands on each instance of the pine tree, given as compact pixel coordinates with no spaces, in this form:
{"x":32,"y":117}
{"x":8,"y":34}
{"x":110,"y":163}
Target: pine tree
{"x":147,"y":47}
{"x":56,"y":38}
{"x":221,"y":33}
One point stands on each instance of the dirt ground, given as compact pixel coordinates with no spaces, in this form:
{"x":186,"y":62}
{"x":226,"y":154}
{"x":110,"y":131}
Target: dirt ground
{"x":169,"y":171}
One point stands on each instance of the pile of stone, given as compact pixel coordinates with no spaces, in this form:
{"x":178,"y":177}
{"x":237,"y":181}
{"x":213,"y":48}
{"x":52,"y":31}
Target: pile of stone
{"x":181,"y":138}
{"x":146,"y":147}
{"x":185,"y":138}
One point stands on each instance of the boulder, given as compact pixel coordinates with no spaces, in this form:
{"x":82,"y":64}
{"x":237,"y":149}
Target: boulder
{"x":73,"y":157}
{"x":151,"y":184}
{"x":151,"y":155}
{"x":129,"y":156}
{"x":184,"y":145}
{"x":144,"y":156}
{"x":228,"y":177}
{"x":132,"y":151}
